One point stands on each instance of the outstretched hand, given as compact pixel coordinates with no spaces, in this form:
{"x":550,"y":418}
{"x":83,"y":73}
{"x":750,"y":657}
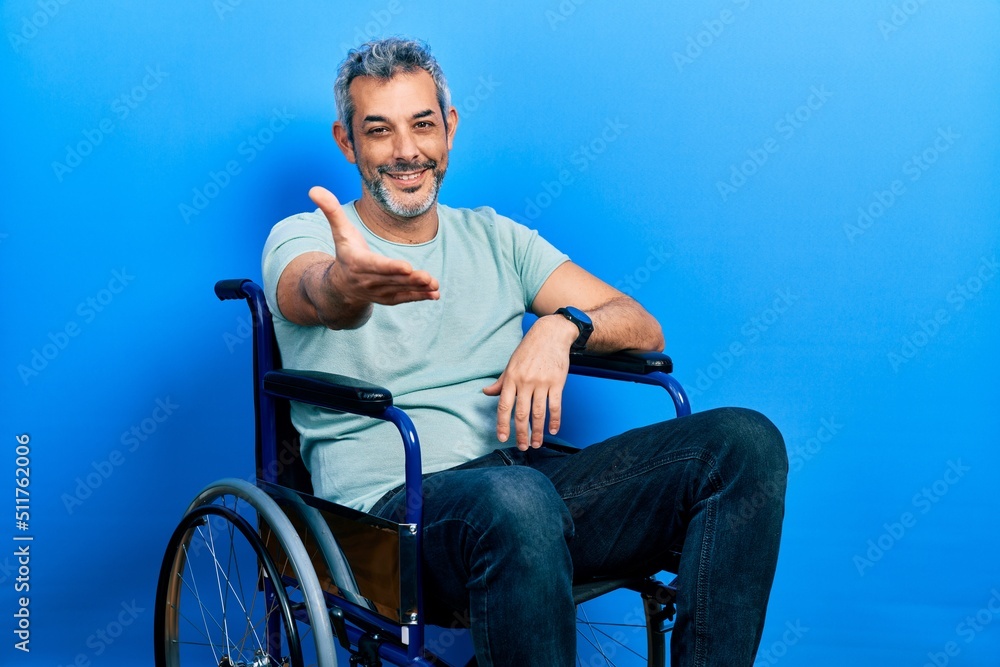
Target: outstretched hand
{"x":362,"y":276}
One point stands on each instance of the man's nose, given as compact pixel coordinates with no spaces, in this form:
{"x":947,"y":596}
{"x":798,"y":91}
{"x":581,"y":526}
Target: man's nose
{"x":405,"y":147}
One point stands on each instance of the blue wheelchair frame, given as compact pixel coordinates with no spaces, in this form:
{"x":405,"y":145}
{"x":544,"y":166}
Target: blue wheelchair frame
{"x":344,"y":394}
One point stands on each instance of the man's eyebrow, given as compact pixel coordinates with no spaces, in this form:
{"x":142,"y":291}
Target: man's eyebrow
{"x":382,"y":119}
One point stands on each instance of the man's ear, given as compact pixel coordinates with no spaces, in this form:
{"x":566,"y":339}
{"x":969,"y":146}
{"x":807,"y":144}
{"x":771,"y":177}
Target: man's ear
{"x":452,"y":125}
{"x":344,"y":142}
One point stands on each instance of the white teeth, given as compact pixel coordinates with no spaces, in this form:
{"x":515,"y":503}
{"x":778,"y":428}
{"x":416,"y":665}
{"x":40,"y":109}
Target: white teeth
{"x":406,"y":177}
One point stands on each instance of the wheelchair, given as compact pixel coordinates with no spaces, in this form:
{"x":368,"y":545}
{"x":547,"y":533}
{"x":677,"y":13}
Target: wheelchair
{"x":261,"y":573}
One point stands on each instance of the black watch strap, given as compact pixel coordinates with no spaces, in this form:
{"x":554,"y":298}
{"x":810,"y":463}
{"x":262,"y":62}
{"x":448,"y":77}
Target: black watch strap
{"x":583,"y":324}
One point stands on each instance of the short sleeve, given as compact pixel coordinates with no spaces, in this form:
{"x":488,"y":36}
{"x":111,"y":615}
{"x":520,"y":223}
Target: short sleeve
{"x":293,"y":236}
{"x":533,"y":257}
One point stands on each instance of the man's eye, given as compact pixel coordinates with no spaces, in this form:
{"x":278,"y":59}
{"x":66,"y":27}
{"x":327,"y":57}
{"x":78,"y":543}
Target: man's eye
{"x":377,"y":130}
{"x":424,"y":124}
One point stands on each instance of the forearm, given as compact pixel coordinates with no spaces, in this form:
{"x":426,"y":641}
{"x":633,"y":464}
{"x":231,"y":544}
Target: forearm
{"x":622,"y":324}
{"x":318,"y":289}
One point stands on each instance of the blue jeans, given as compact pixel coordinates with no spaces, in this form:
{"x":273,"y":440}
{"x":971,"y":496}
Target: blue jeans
{"x":505,"y":535}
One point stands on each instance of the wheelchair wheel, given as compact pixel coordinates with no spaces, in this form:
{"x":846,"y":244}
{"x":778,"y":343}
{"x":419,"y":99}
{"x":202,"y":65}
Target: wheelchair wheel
{"x":615,"y":630}
{"x":236,"y":588}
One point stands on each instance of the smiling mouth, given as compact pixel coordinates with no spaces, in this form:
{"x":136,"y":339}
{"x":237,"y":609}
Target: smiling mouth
{"x":406,"y":177}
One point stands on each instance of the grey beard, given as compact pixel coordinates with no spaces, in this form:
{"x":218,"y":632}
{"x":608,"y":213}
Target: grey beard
{"x":376,"y":187}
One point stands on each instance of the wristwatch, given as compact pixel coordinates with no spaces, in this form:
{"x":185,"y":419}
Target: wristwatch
{"x":582,"y":322}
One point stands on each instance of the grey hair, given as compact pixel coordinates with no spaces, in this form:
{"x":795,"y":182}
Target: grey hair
{"x":383,"y":59}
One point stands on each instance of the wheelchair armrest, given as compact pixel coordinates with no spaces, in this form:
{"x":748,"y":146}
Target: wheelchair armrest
{"x":326,"y":390}
{"x":231,"y":289}
{"x":634,"y":362}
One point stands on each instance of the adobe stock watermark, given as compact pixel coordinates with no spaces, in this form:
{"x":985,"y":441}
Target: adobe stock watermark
{"x":32,"y":24}
{"x":913,"y":169}
{"x":786,"y":127}
{"x":249,"y":150}
{"x":242,"y":333}
{"x":381,"y":18}
{"x":7,"y":569}
{"x":562,"y":12}
{"x":121,"y":107}
{"x":225,"y":7}
{"x":923,"y":502}
{"x":131,"y":440}
{"x":770,"y":489}
{"x":582,"y":159}
{"x":901,"y":14}
{"x":803,"y":453}
{"x":484,"y":89}
{"x":928,"y":328}
{"x":750,"y":332}
{"x":86,"y":312}
{"x":101,"y":639}
{"x":778,"y":649}
{"x":967,"y":630}
{"x":712,"y":29}
{"x":632,"y":282}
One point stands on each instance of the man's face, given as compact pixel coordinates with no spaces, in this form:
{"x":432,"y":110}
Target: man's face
{"x":400,"y":141}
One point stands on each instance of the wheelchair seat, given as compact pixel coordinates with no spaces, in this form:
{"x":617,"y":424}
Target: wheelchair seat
{"x":295,"y":572}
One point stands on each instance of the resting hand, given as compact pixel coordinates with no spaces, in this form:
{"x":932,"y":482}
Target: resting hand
{"x":360,"y":276}
{"x":533,"y":379}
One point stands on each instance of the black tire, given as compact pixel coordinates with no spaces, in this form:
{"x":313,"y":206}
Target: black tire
{"x":232,"y":629}
{"x":217,"y":588}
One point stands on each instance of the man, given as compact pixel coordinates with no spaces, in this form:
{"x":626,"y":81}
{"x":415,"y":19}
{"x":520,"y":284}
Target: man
{"x":427,"y":300}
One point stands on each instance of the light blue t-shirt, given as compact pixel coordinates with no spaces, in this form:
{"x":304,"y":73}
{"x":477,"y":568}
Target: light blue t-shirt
{"x":434,"y":356}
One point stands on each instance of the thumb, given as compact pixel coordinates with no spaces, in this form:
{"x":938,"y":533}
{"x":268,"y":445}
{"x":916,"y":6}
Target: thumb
{"x":341,"y":226}
{"x":494,"y":389}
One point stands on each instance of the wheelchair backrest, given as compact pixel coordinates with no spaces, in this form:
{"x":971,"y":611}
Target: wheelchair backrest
{"x":273,"y":427}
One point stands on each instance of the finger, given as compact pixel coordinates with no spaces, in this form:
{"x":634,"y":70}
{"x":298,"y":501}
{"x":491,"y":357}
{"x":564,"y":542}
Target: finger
{"x":386,"y":286}
{"x":555,"y":409}
{"x":504,"y":407}
{"x":522,"y":412}
{"x":538,"y":418}
{"x":380,"y":283}
{"x":493,"y":389}
{"x":424,"y":278}
{"x":335,"y":215}
{"x":408,"y":297}
{"x":382,"y":270}
{"x":368,"y":262}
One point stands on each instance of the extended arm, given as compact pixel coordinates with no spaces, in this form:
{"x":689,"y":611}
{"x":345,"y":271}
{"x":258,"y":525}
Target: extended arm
{"x":339,"y":292}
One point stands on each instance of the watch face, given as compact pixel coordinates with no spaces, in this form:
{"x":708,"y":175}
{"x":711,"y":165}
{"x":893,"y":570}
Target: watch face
{"x":582,"y":322}
{"x":578,"y":315}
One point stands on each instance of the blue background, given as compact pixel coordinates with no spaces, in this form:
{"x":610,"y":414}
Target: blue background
{"x":875,"y":342}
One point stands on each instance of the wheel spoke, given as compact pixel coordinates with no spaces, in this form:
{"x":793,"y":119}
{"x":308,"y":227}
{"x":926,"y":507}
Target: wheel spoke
{"x":197,"y":596}
{"x":230,"y":580}
{"x":219,"y":575}
{"x":596,"y":643}
{"x":218,"y":581}
{"x":596,"y":624}
{"x":624,"y":645}
{"x":201,"y":606}
{"x":192,"y":623}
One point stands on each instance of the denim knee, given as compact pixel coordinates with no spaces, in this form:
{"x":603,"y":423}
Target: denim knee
{"x":518,"y":505}
{"x":748,"y":442}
